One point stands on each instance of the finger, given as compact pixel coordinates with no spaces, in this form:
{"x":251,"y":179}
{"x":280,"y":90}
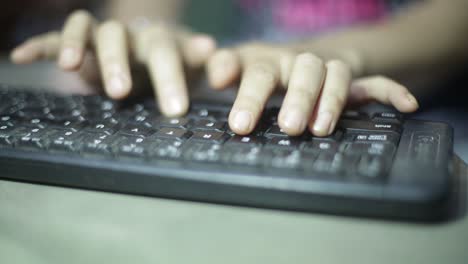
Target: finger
{"x":75,"y":36}
{"x":332,"y":100}
{"x":89,"y":70}
{"x":112,"y":52}
{"x":383,"y":90}
{"x":304,"y":88}
{"x":168,"y":76}
{"x":259,"y":80}
{"x":223,"y":68}
{"x":197,"y":49}
{"x":44,"y":46}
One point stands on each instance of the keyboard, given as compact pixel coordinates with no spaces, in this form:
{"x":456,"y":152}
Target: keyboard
{"x":376,"y":164}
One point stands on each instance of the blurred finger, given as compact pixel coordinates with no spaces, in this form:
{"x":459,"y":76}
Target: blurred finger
{"x":304,"y":88}
{"x":383,"y":90}
{"x":168,"y":76}
{"x":259,"y":80}
{"x":75,"y":36}
{"x":333,"y":98}
{"x":41,"y":47}
{"x":197,"y":49}
{"x":112,"y":53}
{"x":223,"y":68}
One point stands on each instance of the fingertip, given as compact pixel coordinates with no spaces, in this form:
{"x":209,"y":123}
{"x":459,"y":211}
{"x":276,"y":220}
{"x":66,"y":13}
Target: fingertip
{"x":322,"y":125}
{"x":292,"y":122}
{"x":175,"y":107}
{"x":405,"y":102}
{"x":17,"y":55}
{"x":412,"y":102}
{"x":22,"y":55}
{"x":241,"y":122}
{"x":70,"y":58}
{"x":223,"y":69}
{"x":118,"y":87}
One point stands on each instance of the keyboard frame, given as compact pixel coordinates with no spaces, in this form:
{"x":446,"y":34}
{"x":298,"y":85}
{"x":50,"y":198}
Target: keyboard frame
{"x":415,"y":192}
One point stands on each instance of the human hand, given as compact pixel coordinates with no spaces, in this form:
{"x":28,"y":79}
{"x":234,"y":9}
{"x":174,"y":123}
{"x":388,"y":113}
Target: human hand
{"x":112,"y":49}
{"x":316,"y":90}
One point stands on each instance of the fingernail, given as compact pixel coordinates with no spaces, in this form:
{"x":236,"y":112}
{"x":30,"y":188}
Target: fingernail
{"x":294,"y":120}
{"x":323,"y":123}
{"x":69,"y":58}
{"x":175,"y":106}
{"x":412,"y":99}
{"x":241,"y":121}
{"x":118,"y":87}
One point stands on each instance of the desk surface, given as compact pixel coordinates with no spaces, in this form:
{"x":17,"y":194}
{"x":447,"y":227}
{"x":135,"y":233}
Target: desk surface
{"x":43,"y":224}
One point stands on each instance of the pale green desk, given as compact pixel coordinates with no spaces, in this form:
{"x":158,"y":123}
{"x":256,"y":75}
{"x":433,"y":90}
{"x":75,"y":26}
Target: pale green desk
{"x":42,"y":224}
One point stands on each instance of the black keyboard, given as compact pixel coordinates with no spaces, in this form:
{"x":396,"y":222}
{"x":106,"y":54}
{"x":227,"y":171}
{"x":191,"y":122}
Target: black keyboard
{"x":375,"y":164}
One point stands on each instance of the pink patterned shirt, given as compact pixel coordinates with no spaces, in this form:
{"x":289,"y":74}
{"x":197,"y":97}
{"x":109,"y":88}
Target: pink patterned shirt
{"x":312,"y":16}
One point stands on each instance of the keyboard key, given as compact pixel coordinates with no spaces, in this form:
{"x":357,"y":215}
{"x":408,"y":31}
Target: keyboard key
{"x":6,"y":132}
{"x":323,"y":162}
{"x":283,"y":142}
{"x":354,"y":115}
{"x":106,"y":127}
{"x":424,"y":146}
{"x":209,"y":136}
{"x":97,"y":143}
{"x":319,"y":145}
{"x":173,"y":133}
{"x":74,"y":125}
{"x":30,"y":138}
{"x":241,"y":155}
{"x":172,"y":122}
{"x":196,"y":151}
{"x":165,"y":149}
{"x":281,"y":158}
{"x":337,"y":135}
{"x":371,"y":167}
{"x":245,"y":140}
{"x":387,"y":117}
{"x":36,"y":123}
{"x":358,"y":125}
{"x":372,"y":137}
{"x":137,"y":130}
{"x":7,"y":120}
{"x":65,"y":140}
{"x":206,"y":124}
{"x":210,"y":114}
{"x":131,"y":147}
{"x":275,"y":131}
{"x":383,"y":149}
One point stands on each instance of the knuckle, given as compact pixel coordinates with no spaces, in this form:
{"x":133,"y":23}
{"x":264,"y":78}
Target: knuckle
{"x":379,"y":79}
{"x":252,"y":101}
{"x":309,"y":59}
{"x":111,"y":25}
{"x":263,"y":72}
{"x":158,"y":32}
{"x":334,"y":102}
{"x":338,"y":64}
{"x":339,"y":68}
{"x":302,"y":91}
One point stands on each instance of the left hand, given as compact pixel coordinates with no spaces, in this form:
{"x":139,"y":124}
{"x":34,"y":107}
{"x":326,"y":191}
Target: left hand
{"x":316,"y":90}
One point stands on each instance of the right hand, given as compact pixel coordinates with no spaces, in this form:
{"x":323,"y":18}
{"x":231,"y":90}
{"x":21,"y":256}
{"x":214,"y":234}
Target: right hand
{"x":111,"y":48}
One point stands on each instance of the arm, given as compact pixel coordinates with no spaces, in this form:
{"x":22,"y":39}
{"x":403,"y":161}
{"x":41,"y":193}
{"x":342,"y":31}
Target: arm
{"x":428,"y":37}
